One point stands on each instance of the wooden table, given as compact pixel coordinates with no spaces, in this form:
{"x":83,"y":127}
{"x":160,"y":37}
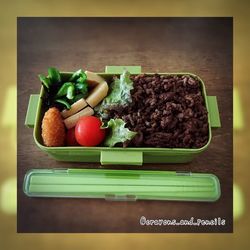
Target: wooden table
{"x":199,"y":45}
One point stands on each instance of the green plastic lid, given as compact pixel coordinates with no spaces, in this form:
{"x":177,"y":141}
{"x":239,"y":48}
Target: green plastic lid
{"x":121,"y":184}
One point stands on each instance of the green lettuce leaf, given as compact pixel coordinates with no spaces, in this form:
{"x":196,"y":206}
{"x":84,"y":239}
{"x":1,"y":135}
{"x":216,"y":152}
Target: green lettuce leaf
{"x":119,"y":91}
{"x":118,"y":132}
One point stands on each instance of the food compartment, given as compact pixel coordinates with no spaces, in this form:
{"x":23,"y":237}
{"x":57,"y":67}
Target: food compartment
{"x":167,"y":111}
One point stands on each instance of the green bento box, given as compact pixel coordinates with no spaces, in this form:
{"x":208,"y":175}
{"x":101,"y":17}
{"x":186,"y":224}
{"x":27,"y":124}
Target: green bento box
{"x":117,"y":155}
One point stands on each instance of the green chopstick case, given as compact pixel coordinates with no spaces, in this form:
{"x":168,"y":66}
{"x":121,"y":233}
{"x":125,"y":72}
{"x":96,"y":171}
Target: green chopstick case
{"x":121,"y":185}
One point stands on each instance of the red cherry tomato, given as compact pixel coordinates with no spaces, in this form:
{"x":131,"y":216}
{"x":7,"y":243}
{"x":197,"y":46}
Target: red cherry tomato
{"x":70,"y":138}
{"x":88,"y":132}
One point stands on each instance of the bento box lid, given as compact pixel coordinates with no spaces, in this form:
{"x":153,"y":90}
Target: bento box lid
{"x":121,"y":185}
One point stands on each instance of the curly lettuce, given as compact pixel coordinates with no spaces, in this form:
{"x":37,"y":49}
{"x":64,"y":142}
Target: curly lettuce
{"x":118,"y":132}
{"x":119,"y":91}
{"x":119,"y":94}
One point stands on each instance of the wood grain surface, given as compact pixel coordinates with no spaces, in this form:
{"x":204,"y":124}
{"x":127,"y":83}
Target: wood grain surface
{"x":202,"y":46}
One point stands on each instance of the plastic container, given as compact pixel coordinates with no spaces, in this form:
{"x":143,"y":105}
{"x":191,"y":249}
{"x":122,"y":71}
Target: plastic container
{"x":121,"y":185}
{"x":116,"y":155}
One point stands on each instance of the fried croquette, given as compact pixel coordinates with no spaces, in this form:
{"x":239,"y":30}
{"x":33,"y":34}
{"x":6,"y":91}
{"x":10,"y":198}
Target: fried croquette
{"x":53,"y":129}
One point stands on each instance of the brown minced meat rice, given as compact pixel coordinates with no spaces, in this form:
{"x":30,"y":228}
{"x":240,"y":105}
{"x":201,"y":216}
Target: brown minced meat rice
{"x":166,"y":111}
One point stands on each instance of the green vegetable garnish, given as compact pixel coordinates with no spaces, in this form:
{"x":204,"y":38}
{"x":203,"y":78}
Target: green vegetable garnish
{"x":66,"y":89}
{"x":70,"y":92}
{"x":82,"y":87}
{"x":65,"y":103}
{"x":119,"y":91}
{"x":54,"y":75}
{"x":82,"y":79}
{"x":77,"y":98}
{"x":118,"y":132}
{"x":65,"y":93}
{"x":79,"y":73}
{"x":45,"y":81}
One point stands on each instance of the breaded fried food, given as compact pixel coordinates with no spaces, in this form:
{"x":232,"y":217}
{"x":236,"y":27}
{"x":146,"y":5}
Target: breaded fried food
{"x":53,"y":129}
